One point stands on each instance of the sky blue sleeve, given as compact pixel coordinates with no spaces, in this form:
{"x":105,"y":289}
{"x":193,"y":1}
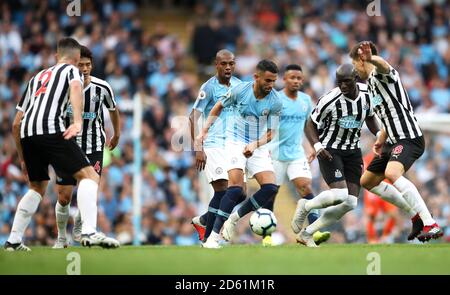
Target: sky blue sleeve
{"x":204,"y":97}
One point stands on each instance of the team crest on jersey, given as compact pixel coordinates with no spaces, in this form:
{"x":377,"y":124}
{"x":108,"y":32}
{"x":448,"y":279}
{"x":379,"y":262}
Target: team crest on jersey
{"x":95,"y":98}
{"x":219,"y":170}
{"x":201,"y":94}
{"x":265,"y":112}
{"x":377,"y":100}
{"x":304,"y":108}
{"x":337,"y":173}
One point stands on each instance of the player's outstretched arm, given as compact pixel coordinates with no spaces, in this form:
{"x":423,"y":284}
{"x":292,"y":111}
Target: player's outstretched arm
{"x":115,"y":120}
{"x":365,"y":54}
{"x":76,"y":100}
{"x":313,"y":137}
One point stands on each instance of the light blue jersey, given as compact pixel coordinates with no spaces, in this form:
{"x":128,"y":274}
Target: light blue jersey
{"x":210,"y":92}
{"x":252,"y":117}
{"x":287,"y":143}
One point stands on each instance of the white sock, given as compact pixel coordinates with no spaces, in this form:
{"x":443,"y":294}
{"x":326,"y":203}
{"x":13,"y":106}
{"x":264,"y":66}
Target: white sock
{"x":25,"y":210}
{"x":87,"y":204}
{"x":327,"y":198}
{"x":77,"y":217}
{"x":332,"y":214}
{"x":62,"y":216}
{"x":412,"y":196}
{"x":390,"y":194}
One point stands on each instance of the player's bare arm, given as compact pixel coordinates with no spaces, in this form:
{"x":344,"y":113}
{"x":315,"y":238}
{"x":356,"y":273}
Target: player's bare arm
{"x":200,"y":156}
{"x":313,"y":138}
{"x":252,"y":146}
{"x":115,"y":119}
{"x":16,"y":134}
{"x":365,"y":54}
{"x":76,"y":99}
{"x":381,"y":139}
{"x":374,"y":128}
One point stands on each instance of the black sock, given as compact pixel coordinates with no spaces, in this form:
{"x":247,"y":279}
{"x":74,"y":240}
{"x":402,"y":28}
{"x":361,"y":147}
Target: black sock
{"x":203,"y":218}
{"x":229,"y":200}
{"x":213,"y":207}
{"x":313,"y":216}
{"x":265,"y":194}
{"x":270,"y":203}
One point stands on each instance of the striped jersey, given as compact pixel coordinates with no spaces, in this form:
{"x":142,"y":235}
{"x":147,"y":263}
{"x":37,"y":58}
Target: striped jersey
{"x":392,"y":105}
{"x":96,"y":94}
{"x":45,"y":100}
{"x":339,"y":119}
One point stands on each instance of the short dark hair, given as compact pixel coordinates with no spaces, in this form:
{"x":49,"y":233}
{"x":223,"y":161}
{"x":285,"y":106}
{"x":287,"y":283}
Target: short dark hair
{"x":86,"y":52}
{"x":267,"y":65}
{"x":293,"y":67}
{"x":68,"y":44}
{"x":354,"y":52}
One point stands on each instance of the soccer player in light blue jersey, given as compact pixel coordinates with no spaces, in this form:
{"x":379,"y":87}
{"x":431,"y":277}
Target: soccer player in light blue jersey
{"x":257,"y":108}
{"x":288,"y":154}
{"x":211,"y":155}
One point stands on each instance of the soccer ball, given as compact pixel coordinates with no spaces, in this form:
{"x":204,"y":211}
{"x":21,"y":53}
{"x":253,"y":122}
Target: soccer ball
{"x":263,"y":222}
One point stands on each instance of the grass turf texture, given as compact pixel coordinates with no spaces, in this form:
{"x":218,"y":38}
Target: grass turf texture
{"x":238,"y":259}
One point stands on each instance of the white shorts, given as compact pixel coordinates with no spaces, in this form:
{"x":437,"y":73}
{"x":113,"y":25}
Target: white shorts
{"x":292,"y":169}
{"x":260,"y":160}
{"x":216,"y":164}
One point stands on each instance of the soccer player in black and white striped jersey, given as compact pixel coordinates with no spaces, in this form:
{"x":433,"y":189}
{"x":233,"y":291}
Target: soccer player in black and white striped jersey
{"x":42,"y":139}
{"x":400,"y":142}
{"x":97,"y":93}
{"x":334,"y":129}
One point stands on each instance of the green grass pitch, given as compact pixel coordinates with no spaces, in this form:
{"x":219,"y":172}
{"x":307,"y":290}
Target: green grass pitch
{"x":233,"y":260}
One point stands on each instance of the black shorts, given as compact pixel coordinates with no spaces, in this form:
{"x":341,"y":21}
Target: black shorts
{"x":346,"y":165}
{"x":39,"y":151}
{"x":405,"y":151}
{"x":96,"y":161}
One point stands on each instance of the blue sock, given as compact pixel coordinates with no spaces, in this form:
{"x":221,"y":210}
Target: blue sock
{"x":229,"y":200}
{"x":265,"y":194}
{"x":213,"y":207}
{"x":313,"y":215}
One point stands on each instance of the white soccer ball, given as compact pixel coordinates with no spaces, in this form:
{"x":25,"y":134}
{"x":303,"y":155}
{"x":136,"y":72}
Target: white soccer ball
{"x":263,"y":222}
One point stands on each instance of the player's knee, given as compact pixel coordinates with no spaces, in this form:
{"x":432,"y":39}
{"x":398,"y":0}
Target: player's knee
{"x":64,"y":196}
{"x":220,"y":185}
{"x":270,"y":189}
{"x":392,"y":175}
{"x":368,"y":182}
{"x":304,"y":189}
{"x":87,"y":173}
{"x":339,"y":194}
{"x":39,"y":187}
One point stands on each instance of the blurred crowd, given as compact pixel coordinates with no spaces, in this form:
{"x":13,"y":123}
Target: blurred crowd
{"x":149,"y":64}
